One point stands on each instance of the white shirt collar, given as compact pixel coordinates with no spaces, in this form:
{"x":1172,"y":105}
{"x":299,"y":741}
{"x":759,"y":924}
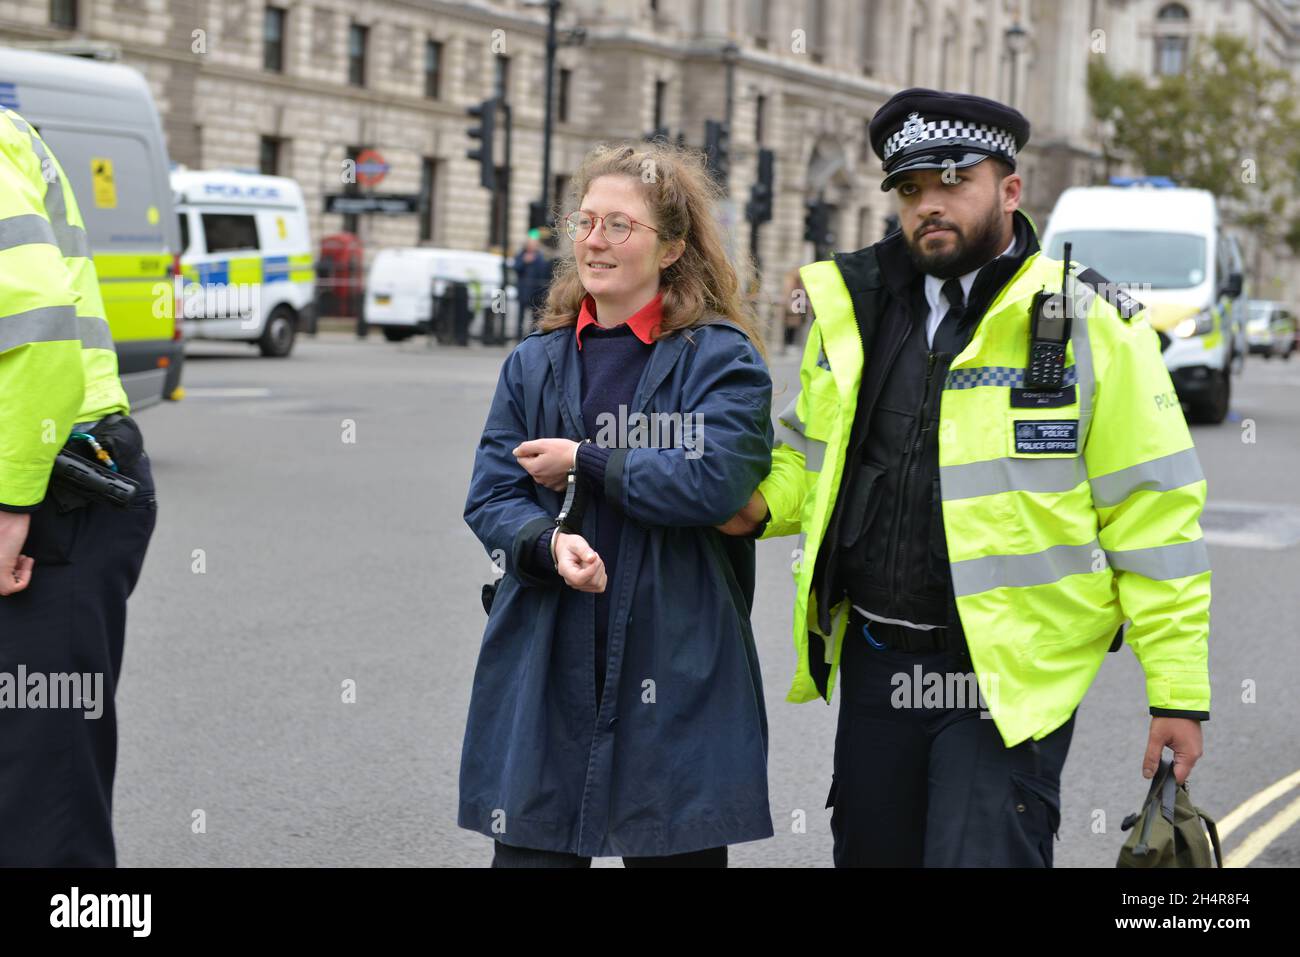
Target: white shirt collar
{"x":934,"y":285}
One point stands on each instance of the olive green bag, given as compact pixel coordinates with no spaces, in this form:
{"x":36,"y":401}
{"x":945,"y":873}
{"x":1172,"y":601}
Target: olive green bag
{"x":1167,"y":832}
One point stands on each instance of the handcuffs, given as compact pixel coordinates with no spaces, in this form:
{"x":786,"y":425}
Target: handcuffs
{"x":574,"y":507}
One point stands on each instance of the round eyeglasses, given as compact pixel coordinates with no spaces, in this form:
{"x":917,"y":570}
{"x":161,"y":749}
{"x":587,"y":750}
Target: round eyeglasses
{"x":616,"y":227}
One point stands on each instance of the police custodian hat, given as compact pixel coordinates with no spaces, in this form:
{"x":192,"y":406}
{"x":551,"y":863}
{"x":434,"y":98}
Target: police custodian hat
{"x":932,"y":129}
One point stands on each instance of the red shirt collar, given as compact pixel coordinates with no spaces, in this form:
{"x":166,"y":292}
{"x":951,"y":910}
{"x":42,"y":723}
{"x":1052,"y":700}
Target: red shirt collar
{"x":643,"y":322}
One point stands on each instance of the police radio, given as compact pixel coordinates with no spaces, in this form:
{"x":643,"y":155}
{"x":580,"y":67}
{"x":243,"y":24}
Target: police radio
{"x":1049,"y":331}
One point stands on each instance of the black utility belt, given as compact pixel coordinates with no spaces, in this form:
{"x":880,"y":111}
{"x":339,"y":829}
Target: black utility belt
{"x":902,"y":638}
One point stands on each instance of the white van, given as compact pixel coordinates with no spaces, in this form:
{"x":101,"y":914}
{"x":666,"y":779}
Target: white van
{"x":101,"y":123}
{"x":247,"y":258}
{"x":1167,"y":248}
{"x":403,"y":282}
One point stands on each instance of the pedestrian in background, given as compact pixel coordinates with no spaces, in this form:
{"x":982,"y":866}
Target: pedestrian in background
{"x":617,"y":706}
{"x":532,"y":278}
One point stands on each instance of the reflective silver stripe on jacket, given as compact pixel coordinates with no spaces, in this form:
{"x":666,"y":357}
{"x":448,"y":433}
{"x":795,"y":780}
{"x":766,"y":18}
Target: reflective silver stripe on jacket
{"x":1157,"y":475}
{"x":43,"y":324}
{"x":975,"y":575}
{"x":25,"y":230}
{"x":1011,"y":475}
{"x":1164,"y":562}
{"x":790,"y":429}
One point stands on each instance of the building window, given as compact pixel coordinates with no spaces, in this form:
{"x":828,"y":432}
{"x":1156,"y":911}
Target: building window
{"x":1171,"y":39}
{"x":502,"y":88}
{"x":270,"y":155}
{"x":867,"y":36}
{"x":63,"y":14}
{"x":817,"y":30}
{"x":273,"y":40}
{"x":760,"y":117}
{"x":357,"y":38}
{"x":661,"y":96}
{"x":760,"y":25}
{"x":428,"y":194}
{"x":562,"y":99}
{"x":432,"y":68}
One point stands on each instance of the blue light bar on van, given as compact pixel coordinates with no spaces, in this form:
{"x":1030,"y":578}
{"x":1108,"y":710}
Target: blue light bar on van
{"x":1158,"y":182}
{"x":8,"y":97}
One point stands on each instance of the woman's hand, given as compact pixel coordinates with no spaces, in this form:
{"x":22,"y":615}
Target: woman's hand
{"x":577,"y":562}
{"x":746,"y":520}
{"x":548,"y":461}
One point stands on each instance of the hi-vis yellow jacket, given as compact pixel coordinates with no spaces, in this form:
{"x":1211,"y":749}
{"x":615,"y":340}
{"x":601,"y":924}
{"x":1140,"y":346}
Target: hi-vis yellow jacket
{"x":1050,"y":553}
{"x":57,"y":362}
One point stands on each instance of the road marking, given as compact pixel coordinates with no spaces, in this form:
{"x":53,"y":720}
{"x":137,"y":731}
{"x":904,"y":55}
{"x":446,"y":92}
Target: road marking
{"x":1259,"y":839}
{"x":1256,"y":802}
{"x":1254,"y":845}
{"x":216,"y":393}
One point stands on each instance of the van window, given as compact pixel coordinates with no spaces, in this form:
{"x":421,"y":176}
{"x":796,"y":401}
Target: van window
{"x":1163,"y":260}
{"x":184,"y":219}
{"x":225,"y":232}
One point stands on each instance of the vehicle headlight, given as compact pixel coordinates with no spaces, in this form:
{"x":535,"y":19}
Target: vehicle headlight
{"x":1197,"y":325}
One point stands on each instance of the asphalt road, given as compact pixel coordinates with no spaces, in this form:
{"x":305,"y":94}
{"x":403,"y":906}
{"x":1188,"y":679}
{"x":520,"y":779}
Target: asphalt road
{"x":310,"y":541}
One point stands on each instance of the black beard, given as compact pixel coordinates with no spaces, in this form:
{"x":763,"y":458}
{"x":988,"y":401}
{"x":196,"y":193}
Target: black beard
{"x":967,"y":254}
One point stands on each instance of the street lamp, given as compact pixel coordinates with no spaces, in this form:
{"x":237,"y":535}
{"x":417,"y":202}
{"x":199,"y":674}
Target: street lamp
{"x":540,"y":210}
{"x":1016,"y":37}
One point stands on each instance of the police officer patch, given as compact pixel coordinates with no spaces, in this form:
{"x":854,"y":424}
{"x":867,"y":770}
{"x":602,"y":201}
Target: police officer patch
{"x":1047,"y":437}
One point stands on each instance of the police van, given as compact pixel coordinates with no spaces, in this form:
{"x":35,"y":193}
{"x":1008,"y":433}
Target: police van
{"x":247,"y":258}
{"x":1167,"y":248}
{"x":100,"y":121}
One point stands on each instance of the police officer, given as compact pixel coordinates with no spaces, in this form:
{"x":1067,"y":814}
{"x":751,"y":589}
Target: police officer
{"x":983,"y":500}
{"x":68,"y":559}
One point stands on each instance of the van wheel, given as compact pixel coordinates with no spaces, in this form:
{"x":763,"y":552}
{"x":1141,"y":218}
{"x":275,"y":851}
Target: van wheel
{"x":393,"y":334}
{"x":1214,"y":409}
{"x":277,"y":337}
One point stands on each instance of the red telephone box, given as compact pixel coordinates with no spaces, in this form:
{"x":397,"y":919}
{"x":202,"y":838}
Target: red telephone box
{"x":340,"y":276}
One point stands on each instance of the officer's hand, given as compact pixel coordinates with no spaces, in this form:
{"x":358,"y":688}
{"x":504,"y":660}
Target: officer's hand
{"x":547,"y":460}
{"x":1183,"y":735}
{"x":15,"y":567}
{"x":746,"y":520}
{"x":579,"y":565}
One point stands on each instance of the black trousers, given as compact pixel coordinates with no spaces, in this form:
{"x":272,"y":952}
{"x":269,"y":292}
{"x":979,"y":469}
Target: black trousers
{"x":935,"y":786}
{"x":57,"y":763}
{"x":506,"y":856}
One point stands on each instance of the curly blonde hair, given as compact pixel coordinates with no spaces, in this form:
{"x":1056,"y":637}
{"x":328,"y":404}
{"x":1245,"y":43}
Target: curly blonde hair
{"x":683,"y":198}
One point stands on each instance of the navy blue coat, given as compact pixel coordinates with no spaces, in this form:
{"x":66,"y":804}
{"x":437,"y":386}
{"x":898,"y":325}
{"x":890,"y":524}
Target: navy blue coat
{"x":676,"y":758}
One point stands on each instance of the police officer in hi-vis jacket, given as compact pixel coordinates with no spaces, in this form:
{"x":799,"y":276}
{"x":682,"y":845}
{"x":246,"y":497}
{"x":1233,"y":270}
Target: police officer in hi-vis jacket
{"x":988,"y":480}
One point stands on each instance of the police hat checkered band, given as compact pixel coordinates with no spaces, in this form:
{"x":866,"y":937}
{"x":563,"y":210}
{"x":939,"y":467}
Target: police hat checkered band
{"x":950,"y":133}
{"x":998,"y":376}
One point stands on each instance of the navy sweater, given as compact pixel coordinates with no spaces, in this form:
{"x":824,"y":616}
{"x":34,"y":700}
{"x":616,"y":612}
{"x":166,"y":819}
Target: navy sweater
{"x":612,"y":363}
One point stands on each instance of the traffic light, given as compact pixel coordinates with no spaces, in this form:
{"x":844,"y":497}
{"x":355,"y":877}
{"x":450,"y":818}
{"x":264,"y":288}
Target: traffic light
{"x":759,"y":208}
{"x":717,"y":149}
{"x":817,"y":224}
{"x":486,"y":114}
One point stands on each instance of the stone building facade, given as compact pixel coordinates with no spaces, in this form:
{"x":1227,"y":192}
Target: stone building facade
{"x":298,"y":86}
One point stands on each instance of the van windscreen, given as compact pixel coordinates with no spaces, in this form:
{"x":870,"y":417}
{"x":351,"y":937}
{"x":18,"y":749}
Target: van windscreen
{"x":1137,"y":258}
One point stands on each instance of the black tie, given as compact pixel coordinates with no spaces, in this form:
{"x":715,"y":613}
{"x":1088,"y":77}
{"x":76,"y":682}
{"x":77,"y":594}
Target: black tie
{"x":945,"y":337}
